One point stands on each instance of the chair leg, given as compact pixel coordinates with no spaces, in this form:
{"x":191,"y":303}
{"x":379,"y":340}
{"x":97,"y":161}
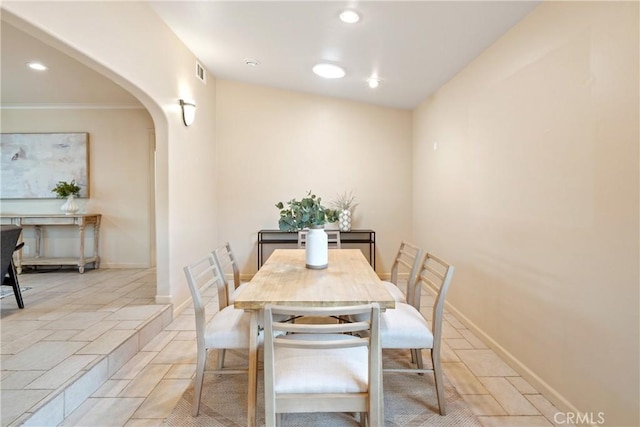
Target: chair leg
{"x":418,"y":356}
{"x":197,"y":392}
{"x":272,"y":419}
{"x":437,"y":376}
{"x":363,"y":419}
{"x":221,"y":354}
{"x":13,"y":279}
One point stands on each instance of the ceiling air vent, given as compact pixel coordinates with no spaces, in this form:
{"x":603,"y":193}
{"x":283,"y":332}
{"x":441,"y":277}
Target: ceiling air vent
{"x":201,"y":73}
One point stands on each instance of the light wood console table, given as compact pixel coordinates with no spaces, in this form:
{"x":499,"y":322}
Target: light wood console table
{"x":40,"y":221}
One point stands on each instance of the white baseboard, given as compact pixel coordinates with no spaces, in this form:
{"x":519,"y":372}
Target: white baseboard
{"x":387,"y":276}
{"x":538,"y":383}
{"x":177,"y":309}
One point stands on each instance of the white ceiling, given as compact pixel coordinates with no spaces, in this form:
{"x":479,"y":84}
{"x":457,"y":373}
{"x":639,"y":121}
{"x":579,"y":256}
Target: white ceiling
{"x":66,"y":82}
{"x":413,"y":47}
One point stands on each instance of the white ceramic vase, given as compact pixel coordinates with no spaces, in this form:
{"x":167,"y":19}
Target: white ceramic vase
{"x":70,"y":206}
{"x":317,"y":248}
{"x":344,"y":220}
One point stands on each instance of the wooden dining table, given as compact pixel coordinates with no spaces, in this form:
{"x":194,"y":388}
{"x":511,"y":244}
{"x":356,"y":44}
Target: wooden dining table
{"x":349,"y":279}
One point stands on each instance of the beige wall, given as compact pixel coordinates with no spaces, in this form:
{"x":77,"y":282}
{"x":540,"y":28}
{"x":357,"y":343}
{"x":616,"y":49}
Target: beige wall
{"x":532,"y":193}
{"x":274,"y":145}
{"x":123,"y":197}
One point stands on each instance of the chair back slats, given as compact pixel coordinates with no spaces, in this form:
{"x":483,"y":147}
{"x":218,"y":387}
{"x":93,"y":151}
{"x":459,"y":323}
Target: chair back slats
{"x":227,"y":328}
{"x":404,"y":263}
{"x":322,"y":344}
{"x":276,"y":329}
{"x":321,"y":311}
{"x":306,"y":328}
{"x":407,"y":257}
{"x":319,"y":337}
{"x":436,"y":274}
{"x":334,"y":240}
{"x":430,"y":269}
{"x":401,"y":332}
{"x":302,"y":239}
{"x":227,"y":264}
{"x":438,"y":308}
{"x":201,"y":275}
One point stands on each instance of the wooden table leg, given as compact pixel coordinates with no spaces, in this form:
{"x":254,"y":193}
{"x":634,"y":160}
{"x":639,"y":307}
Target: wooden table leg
{"x":81,"y":260}
{"x":252,"y":393}
{"x":96,"y":243}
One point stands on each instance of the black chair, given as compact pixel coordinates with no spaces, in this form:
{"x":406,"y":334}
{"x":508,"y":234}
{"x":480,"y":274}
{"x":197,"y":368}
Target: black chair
{"x":9,"y":235}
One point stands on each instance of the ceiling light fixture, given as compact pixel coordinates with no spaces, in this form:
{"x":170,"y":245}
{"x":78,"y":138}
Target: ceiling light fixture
{"x":329,"y":71}
{"x":36,"y":66}
{"x":349,"y":17}
{"x":251,"y":62}
{"x":188,"y":112}
{"x":373,"y":82}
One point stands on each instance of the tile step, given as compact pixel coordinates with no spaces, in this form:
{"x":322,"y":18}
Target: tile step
{"x":60,"y":403}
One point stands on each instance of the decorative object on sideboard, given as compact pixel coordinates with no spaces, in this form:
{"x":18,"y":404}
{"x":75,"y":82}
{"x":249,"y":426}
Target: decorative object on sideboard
{"x":309,"y":213}
{"x":68,"y":190}
{"x":345,"y":204}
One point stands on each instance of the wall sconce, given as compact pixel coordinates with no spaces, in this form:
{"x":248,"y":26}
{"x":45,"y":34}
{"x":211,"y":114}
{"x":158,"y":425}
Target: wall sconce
{"x":188,"y":112}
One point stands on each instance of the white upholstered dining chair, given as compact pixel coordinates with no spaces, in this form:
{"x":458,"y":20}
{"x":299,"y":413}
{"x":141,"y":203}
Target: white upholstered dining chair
{"x":406,"y":328}
{"x":333,"y":239}
{"x":408,"y":261}
{"x":227,"y":329}
{"x":323,"y":367}
{"x":228,"y":266}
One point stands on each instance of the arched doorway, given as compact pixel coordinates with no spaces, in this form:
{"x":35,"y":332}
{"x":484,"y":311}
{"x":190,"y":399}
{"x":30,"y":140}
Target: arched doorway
{"x":70,"y":96}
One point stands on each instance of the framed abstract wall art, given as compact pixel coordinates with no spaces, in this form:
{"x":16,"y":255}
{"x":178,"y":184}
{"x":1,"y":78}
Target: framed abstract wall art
{"x":31,"y":164}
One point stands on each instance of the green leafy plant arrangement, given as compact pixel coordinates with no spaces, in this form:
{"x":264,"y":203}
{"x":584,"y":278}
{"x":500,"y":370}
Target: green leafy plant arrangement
{"x":65,"y":189}
{"x":304,"y":213}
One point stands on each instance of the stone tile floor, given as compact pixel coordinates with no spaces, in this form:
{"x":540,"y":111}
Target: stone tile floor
{"x":94,"y":349}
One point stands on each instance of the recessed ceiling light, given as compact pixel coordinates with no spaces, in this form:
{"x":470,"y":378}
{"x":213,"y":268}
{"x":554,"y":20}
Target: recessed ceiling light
{"x":329,"y":71}
{"x":252,"y":62}
{"x":36,"y":66}
{"x":349,"y":17}
{"x":373,"y":82}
